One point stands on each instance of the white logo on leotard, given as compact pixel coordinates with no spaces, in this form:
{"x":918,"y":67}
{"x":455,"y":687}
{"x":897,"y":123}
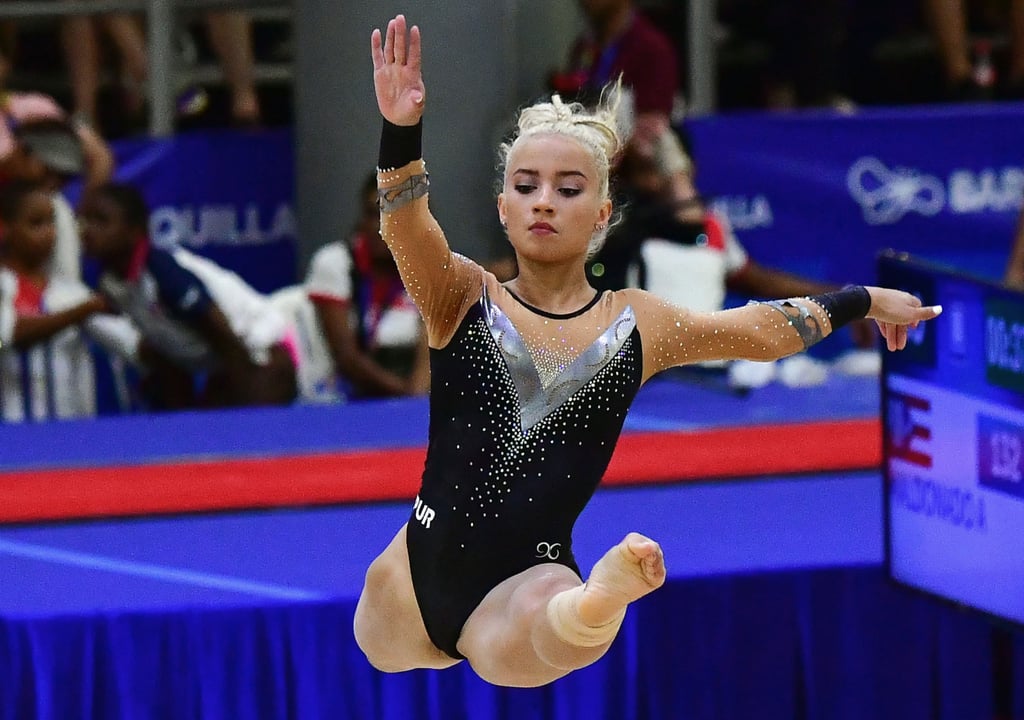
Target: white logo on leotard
{"x":548,"y":550}
{"x":424,"y":513}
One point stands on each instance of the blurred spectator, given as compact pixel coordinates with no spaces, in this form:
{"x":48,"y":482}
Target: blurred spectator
{"x":623,"y":44}
{"x":700,"y":256}
{"x":38,"y":143}
{"x":355,"y":318}
{"x":621,"y":41}
{"x":50,"y":151}
{"x":671,"y":244}
{"x":208,"y":339}
{"x":95,"y":159}
{"x":230,"y":36}
{"x":970,"y":73}
{"x":46,"y":370}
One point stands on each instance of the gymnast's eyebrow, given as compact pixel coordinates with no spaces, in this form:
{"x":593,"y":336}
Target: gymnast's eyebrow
{"x":559,"y":174}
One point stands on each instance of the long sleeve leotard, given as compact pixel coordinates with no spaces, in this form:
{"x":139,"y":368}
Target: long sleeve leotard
{"x":526,"y":408}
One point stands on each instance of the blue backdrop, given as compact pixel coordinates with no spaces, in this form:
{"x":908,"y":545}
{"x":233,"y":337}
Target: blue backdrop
{"x":227,"y":195}
{"x":821,"y":193}
{"x":815,"y":193}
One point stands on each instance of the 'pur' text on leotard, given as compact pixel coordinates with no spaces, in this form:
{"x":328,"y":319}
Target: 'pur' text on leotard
{"x":424,"y":513}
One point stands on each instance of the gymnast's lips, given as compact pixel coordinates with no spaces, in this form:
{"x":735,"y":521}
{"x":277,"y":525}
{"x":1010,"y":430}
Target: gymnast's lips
{"x":542,"y":228}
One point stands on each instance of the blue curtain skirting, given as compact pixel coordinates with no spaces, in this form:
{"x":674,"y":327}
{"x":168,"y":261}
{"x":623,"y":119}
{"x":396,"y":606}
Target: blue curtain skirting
{"x":838,"y":644}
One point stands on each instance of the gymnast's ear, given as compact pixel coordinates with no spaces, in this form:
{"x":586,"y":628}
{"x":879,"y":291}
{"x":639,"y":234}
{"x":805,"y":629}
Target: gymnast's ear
{"x":501,"y":210}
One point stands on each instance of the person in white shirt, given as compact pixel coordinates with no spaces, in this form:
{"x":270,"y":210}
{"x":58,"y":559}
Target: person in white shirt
{"x":675,"y":246}
{"x":359,"y":333}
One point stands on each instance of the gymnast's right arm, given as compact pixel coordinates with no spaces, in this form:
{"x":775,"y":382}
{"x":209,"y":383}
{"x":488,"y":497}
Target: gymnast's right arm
{"x":441,"y":283}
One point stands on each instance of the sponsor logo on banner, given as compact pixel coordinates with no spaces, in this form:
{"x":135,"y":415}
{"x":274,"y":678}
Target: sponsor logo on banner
{"x":888,"y":194}
{"x":225,"y":224}
{"x":909,"y":436}
{"x":745,"y":212}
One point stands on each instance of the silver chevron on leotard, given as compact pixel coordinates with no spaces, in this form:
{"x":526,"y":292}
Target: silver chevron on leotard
{"x":535,"y":400}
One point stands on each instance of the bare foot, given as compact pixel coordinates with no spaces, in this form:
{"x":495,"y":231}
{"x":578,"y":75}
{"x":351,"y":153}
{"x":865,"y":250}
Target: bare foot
{"x":626,"y":573}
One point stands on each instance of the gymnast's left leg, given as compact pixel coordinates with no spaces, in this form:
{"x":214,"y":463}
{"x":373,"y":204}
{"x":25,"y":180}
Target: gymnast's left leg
{"x":544,"y":623}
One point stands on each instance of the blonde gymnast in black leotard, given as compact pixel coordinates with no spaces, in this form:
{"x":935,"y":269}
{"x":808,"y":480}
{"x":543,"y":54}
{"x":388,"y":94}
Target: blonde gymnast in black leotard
{"x":530,"y":384}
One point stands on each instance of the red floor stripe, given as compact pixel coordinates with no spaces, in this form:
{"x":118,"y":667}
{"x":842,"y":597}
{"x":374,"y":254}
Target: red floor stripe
{"x":394,"y":474}
{"x":747,"y":452}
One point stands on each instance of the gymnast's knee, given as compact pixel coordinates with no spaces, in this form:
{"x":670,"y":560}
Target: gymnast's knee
{"x":373,"y":642}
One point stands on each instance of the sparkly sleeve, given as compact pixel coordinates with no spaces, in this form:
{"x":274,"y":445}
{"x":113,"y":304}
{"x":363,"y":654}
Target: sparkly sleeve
{"x":672,"y":335}
{"x":441,"y":283}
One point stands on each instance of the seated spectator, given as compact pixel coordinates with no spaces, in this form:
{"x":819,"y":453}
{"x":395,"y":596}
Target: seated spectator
{"x":355,"y":320}
{"x":208,"y":339}
{"x":671,"y":244}
{"x":46,"y":369}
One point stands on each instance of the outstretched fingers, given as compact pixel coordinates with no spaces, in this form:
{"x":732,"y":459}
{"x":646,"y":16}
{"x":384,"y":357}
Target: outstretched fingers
{"x":929,"y":312}
{"x":892,"y":334}
{"x":400,"y":39}
{"x":396,"y":48}
{"x":397,"y":77}
{"x":389,"y":43}
{"x":376,"y":50}
{"x":415,"y":53}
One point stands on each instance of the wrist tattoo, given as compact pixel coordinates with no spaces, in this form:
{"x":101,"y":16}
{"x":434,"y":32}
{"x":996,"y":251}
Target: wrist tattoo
{"x":805,"y":323}
{"x":396,"y":196}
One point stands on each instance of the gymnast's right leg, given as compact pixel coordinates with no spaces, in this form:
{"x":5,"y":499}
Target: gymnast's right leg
{"x":388,"y":626}
{"x":545,"y":622}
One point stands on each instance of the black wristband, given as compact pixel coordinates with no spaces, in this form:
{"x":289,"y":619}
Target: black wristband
{"x":399,"y":145}
{"x":843,"y":306}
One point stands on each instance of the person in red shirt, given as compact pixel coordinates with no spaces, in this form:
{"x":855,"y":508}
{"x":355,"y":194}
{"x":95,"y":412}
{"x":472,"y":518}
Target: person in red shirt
{"x":621,"y":41}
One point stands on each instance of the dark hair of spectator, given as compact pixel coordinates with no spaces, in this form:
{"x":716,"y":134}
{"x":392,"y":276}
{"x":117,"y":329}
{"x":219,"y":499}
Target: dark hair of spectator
{"x":127,"y":197}
{"x":13,"y":195}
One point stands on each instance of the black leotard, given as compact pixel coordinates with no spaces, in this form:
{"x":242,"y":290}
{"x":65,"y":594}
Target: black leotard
{"x":512,"y":460}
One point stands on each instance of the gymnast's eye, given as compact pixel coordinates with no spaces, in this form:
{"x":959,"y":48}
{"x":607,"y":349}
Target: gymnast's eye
{"x":569,"y":191}
{"x":524,"y":189}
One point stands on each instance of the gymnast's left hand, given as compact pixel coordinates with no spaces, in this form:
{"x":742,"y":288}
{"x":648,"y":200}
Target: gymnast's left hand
{"x":895,"y":311}
{"x":397,"y":73}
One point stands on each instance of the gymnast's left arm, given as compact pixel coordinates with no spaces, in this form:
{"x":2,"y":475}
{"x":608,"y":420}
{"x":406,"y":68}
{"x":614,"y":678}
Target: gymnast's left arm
{"x":441,"y":283}
{"x":768,"y":330}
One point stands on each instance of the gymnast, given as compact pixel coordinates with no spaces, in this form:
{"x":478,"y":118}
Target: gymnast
{"x":530,"y":384}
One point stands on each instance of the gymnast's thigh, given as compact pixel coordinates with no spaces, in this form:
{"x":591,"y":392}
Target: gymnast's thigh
{"x":388,"y":624}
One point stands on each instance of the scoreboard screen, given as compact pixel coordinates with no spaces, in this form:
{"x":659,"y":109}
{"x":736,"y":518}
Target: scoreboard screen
{"x":953,"y":426}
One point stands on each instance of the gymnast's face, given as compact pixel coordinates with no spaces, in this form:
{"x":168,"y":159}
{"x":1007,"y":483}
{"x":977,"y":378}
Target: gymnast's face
{"x":551,"y":200}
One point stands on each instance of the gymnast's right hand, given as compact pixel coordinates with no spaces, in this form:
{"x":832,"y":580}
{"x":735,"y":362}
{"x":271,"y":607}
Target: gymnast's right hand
{"x":397,"y":75}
